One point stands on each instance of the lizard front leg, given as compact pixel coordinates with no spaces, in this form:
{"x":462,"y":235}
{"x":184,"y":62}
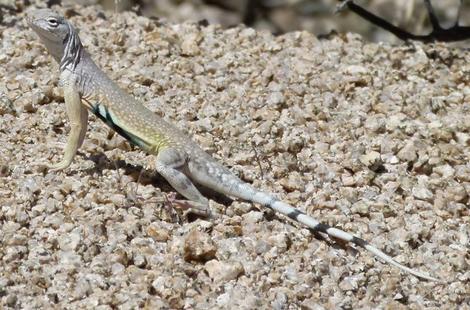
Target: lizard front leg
{"x":78,"y":117}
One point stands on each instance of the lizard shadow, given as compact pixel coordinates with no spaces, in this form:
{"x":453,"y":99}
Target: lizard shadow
{"x":146,"y":176}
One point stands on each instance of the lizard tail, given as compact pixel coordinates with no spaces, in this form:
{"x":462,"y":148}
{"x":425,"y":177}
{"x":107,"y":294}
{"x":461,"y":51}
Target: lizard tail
{"x":247,"y":192}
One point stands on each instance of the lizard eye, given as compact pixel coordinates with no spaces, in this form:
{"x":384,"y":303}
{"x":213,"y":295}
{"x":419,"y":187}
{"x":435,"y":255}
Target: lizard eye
{"x":52,"y":22}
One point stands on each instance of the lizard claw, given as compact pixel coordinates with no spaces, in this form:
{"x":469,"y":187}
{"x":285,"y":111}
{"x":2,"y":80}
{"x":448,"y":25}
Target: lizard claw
{"x":193,"y":207}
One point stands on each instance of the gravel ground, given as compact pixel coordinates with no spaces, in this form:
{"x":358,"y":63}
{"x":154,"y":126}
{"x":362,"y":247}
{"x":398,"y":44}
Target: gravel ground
{"x":372,"y":138}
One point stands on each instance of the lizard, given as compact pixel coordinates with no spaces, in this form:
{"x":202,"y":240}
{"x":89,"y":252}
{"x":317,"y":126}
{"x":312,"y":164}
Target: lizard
{"x":177,"y":158}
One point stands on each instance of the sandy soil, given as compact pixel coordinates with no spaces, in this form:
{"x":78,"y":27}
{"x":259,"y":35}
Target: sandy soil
{"x":369,"y":137}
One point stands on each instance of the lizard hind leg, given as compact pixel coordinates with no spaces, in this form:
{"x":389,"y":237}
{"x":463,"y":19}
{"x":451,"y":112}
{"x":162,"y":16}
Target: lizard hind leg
{"x":170,"y":164}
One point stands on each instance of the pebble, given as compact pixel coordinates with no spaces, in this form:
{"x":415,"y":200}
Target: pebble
{"x":11,"y":300}
{"x":158,"y":233}
{"x":198,"y":246}
{"x":408,"y":153}
{"x":223,"y":271}
{"x":371,"y":160}
{"x":422,"y":192}
{"x":70,"y":241}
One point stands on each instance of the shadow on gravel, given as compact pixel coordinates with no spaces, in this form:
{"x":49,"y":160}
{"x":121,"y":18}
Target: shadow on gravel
{"x":146,"y":176}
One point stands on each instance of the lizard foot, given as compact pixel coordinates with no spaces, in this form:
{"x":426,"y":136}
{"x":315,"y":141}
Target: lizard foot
{"x":58,"y":166}
{"x":190,"y":207}
{"x":194,"y":208}
{"x":50,"y":167}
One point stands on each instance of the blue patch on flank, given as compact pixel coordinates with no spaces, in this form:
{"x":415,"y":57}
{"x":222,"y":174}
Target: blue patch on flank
{"x":102,"y":113}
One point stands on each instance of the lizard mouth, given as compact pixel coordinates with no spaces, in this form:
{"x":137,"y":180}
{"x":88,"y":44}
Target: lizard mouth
{"x":36,"y":26}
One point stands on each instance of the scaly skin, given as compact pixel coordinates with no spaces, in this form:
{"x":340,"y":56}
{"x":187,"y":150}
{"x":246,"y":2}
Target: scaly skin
{"x":178,"y":159}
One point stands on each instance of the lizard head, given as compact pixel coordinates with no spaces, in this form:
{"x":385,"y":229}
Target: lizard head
{"x":59,"y":36}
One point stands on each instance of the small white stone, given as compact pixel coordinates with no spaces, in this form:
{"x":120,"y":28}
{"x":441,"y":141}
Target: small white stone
{"x":223,"y":271}
{"x":421,"y":192}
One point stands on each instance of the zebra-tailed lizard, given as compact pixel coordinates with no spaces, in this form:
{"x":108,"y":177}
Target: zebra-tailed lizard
{"x":178,"y":159}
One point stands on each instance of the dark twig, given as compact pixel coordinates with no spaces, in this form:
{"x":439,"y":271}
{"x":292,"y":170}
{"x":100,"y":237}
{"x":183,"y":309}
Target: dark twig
{"x":452,"y":34}
{"x":257,"y":160}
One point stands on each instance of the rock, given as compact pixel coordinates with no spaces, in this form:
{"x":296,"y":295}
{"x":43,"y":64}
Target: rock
{"x":446,"y":171}
{"x":198,"y":246}
{"x":420,"y":191}
{"x":360,"y":207}
{"x":276,"y":98}
{"x":172,"y":288}
{"x":10,"y":4}
{"x":6,"y":106}
{"x":70,"y":241}
{"x":462,"y":173}
{"x":158,"y":233}
{"x":139,"y":260}
{"x":356,"y":70}
{"x":117,"y":268}
{"x":252,"y":217}
{"x":82,"y":289}
{"x":262,"y":247}
{"x":348,"y":180}
{"x":349,"y":283}
{"x":281,"y":241}
{"x":242,"y":208}
{"x":462,"y":138}
{"x":189,"y":46}
{"x":456,"y":192}
{"x":293,"y":182}
{"x":371,"y":160}
{"x":69,"y":260}
{"x":11,"y":300}
{"x":223,"y":271}
{"x":281,"y":302}
{"x":408,"y":153}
